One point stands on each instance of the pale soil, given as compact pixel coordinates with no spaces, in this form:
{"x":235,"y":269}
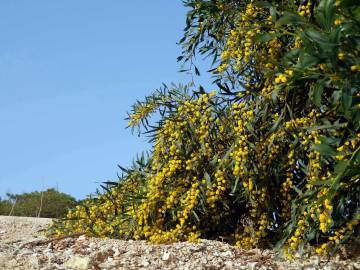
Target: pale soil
{"x":23,"y":246}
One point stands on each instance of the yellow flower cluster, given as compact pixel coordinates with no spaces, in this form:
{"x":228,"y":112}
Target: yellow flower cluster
{"x":305,"y":10}
{"x":281,"y":78}
{"x":215,"y":191}
{"x":169,"y":162}
{"x":141,"y":112}
{"x":240,"y":45}
{"x":294,"y":241}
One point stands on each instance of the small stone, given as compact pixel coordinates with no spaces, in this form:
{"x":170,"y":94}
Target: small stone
{"x":68,"y":253}
{"x":144,"y":263}
{"x":78,"y":263}
{"x":82,"y":237}
{"x":216,"y":254}
{"x":196,"y":248}
{"x":227,"y":254}
{"x":47,"y":252}
{"x":117,"y":252}
{"x":102,"y":255}
{"x":33,"y":262}
{"x":252,"y":265}
{"x":166,"y":256}
{"x":309,"y":267}
{"x":229,"y":265}
{"x":316,"y":260}
{"x":26,"y":251}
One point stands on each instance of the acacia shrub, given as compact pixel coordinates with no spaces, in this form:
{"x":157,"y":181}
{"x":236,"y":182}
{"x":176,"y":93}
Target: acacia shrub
{"x":272,"y":157}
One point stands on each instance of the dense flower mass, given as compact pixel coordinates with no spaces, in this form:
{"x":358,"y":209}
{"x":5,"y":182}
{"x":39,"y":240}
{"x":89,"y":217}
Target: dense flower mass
{"x":272,"y":157}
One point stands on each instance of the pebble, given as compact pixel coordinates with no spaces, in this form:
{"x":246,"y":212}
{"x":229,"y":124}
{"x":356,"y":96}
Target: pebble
{"x":78,"y":263}
{"x":227,"y":254}
{"x":25,"y":252}
{"x":82,"y":237}
{"x":166,"y":256}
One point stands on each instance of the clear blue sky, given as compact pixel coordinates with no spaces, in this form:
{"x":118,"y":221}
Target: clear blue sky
{"x":69,"y":72}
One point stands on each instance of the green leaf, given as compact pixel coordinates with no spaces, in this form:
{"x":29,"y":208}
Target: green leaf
{"x":298,"y":191}
{"x":336,"y":95}
{"x":273,"y":14}
{"x":196,"y":216}
{"x":307,"y":61}
{"x":325,"y":13}
{"x":346,"y":101}
{"x":322,"y":182}
{"x":329,"y":140}
{"x":263,"y":4}
{"x":314,"y":35}
{"x":264,"y":37}
{"x":341,"y":166}
{"x":235,"y":186}
{"x":290,"y":18}
{"x":324,"y":149}
{"x":311,"y":234}
{"x":316,"y":93}
{"x":207,"y":177}
{"x":349,"y":3}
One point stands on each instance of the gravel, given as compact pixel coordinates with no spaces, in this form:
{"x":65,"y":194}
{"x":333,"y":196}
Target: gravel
{"x":23,"y":246}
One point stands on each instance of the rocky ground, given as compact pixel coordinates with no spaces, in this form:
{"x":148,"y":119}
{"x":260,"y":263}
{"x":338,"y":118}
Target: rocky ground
{"x":23,"y":246}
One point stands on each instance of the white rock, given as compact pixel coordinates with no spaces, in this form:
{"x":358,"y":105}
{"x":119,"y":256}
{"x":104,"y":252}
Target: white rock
{"x":316,"y":260}
{"x":78,"y":263}
{"x":33,"y":261}
{"x":68,"y":253}
{"x":229,"y":265}
{"x":252,"y":265}
{"x":227,"y":254}
{"x":309,"y":267}
{"x":82,"y":237}
{"x":166,"y":256}
{"x":117,"y":252}
{"x":216,"y":254}
{"x":26,"y":251}
{"x":144,"y":263}
{"x":48,"y":252}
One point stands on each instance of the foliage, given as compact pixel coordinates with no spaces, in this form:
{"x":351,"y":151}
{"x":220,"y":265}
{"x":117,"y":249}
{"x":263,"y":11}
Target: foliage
{"x":49,"y":203}
{"x":273,"y":156}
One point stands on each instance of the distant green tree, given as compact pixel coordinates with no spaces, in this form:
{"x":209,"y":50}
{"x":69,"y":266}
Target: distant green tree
{"x":49,"y":203}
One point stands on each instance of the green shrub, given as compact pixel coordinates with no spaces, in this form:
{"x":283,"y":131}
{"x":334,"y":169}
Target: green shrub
{"x":49,"y":203}
{"x":272,"y":157}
